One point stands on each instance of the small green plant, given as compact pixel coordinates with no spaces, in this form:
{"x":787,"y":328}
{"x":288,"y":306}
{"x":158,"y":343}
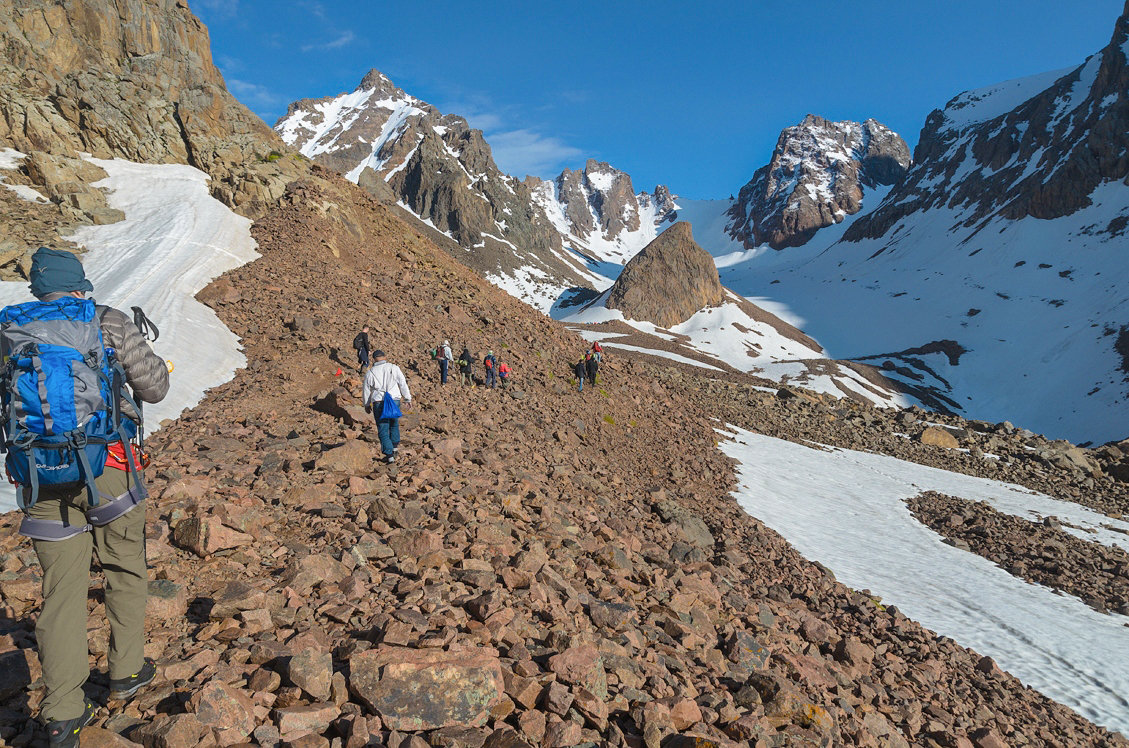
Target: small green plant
{"x":604,"y":392}
{"x":609,"y":420}
{"x":632,"y":423}
{"x":272,"y":157}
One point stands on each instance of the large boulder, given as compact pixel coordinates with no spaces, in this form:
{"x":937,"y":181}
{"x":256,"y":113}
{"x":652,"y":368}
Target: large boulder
{"x":668,"y":281}
{"x":415,"y":690}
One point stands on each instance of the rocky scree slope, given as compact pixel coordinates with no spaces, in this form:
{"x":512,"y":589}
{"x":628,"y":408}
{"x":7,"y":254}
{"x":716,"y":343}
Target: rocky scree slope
{"x":546,"y":568}
{"x":404,"y":151}
{"x":668,"y":281}
{"x":597,"y":211}
{"x":817,"y":176}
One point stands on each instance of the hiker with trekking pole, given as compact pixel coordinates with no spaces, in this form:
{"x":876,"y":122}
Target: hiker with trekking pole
{"x":75,"y":376}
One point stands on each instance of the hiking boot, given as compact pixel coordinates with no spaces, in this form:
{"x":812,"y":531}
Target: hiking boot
{"x":123,"y":688}
{"x":389,"y":459}
{"x":64,"y":733}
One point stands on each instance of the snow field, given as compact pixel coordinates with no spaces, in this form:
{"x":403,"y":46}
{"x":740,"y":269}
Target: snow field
{"x":176,"y":238}
{"x":846,"y":510}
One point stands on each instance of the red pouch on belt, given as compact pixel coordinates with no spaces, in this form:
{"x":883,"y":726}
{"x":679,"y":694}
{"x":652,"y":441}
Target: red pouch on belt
{"x":115,"y":457}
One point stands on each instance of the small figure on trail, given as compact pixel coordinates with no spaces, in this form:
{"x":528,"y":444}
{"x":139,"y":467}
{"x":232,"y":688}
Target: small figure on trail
{"x":75,"y":453}
{"x":504,"y":372}
{"x":581,"y":371}
{"x":466,"y":366}
{"x":490,"y":364}
{"x":592,"y":364}
{"x":361,"y":344}
{"x":442,"y":354}
{"x":597,"y":352}
{"x":384,"y":389}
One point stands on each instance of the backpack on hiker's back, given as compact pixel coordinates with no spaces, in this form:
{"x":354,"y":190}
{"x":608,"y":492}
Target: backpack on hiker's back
{"x":61,"y":395}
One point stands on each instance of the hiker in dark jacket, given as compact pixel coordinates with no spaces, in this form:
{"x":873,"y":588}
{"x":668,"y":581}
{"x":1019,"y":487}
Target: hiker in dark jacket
{"x":361,"y":343}
{"x":490,"y":365}
{"x":466,"y":364}
{"x":581,"y":372}
{"x":61,"y":631}
{"x":592,"y":366}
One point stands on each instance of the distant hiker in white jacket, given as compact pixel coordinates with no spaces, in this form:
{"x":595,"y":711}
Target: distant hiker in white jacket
{"x":385,"y":378}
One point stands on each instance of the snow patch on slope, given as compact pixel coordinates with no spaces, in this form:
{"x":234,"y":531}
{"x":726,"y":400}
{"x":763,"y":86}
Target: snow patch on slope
{"x":175,"y":239}
{"x":846,"y":510}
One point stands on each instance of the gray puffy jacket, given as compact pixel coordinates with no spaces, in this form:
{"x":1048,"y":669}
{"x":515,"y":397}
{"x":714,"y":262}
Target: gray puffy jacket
{"x":146,"y":373}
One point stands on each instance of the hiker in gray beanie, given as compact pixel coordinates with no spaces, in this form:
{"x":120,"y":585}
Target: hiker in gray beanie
{"x":65,"y":528}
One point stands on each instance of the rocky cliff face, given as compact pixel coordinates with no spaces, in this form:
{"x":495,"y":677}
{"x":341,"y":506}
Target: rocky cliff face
{"x":668,"y":281}
{"x":132,"y":79}
{"x":817,"y":177}
{"x":597,"y":210}
{"x":403,"y":150}
{"x":1036,"y":147}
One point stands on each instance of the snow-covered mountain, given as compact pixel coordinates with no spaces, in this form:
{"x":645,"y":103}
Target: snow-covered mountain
{"x":817,"y":176}
{"x":991,"y":278}
{"x":404,"y":151}
{"x":599,"y":214}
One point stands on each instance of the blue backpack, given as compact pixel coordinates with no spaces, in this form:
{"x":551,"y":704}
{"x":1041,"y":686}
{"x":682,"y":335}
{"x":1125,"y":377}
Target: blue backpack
{"x":59,"y":393}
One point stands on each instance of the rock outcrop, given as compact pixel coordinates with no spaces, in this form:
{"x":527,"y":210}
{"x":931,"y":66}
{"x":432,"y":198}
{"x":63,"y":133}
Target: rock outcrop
{"x":135,"y":80}
{"x":818,"y":175}
{"x":668,"y":281}
{"x":597,"y":210}
{"x":1036,"y":146}
{"x":403,"y":150}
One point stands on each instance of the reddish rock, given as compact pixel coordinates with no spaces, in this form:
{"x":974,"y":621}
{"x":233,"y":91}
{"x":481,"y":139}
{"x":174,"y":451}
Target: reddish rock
{"x":228,"y":710}
{"x":452,"y":448}
{"x":685,"y":714}
{"x":582,"y":666}
{"x":96,"y":737}
{"x":417,"y":690}
{"x":167,"y":600}
{"x":204,"y":536}
{"x":172,"y":731}
{"x":564,"y":734}
{"x":312,"y":671}
{"x":352,"y":457}
{"x":308,"y":718}
{"x":414,"y":543}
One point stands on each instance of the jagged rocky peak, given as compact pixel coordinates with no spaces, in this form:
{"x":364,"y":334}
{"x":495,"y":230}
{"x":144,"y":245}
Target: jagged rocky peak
{"x":668,"y":281}
{"x":818,"y":175}
{"x":598,"y":206}
{"x":403,"y":150}
{"x":599,"y":196}
{"x":1037,"y":146}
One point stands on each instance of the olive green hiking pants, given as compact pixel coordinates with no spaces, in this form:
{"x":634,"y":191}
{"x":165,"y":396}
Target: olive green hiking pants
{"x":61,"y":630}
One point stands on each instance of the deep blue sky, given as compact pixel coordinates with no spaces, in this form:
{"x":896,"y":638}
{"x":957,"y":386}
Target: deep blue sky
{"x":692,"y":95}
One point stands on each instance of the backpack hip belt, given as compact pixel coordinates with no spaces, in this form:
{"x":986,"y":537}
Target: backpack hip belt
{"x":99,"y":516}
